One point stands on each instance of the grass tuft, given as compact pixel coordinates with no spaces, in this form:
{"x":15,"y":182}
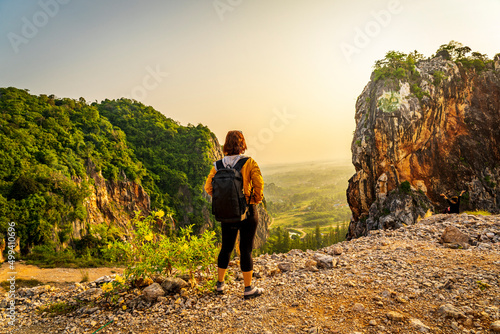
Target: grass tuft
{"x":478,"y":213}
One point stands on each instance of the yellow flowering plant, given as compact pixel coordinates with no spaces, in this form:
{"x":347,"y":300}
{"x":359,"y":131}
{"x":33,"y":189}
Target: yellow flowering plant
{"x":148,"y":253}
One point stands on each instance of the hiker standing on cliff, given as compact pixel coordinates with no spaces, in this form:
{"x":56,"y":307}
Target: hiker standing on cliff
{"x":454,"y":203}
{"x":236,"y":186}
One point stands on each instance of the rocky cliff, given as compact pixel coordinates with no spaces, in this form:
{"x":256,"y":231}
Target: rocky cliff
{"x":111,"y":202}
{"x":430,"y":130}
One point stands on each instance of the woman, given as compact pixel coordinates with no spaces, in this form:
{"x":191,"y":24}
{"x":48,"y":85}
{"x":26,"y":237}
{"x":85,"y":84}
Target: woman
{"x":253,"y":187}
{"x":454,"y":203}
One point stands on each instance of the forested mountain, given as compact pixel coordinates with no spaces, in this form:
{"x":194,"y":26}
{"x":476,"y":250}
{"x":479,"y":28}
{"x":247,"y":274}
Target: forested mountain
{"x":72,"y":171}
{"x":177,"y":158}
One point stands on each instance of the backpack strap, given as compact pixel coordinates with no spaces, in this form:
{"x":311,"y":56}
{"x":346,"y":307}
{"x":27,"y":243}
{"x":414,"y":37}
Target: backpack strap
{"x":240,"y":163}
{"x":219,"y":165}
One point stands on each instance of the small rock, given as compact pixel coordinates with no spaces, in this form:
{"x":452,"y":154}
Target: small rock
{"x":184,"y":293}
{"x":325,"y":261}
{"x":351,"y":284}
{"x":153,"y":291}
{"x":358,"y":307}
{"x":395,"y":316}
{"x":90,"y":294}
{"x":171,"y":284}
{"x":401,"y":300}
{"x":419,"y":325}
{"x":495,"y":326}
{"x":311,"y":264}
{"x":450,"y":311}
{"x":103,"y":279}
{"x":142,"y":282}
{"x":337,"y":250}
{"x":286,"y":266}
{"x":373,"y":322}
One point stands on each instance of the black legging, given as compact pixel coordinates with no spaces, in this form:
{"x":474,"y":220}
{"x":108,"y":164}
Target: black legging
{"x":247,"y":229}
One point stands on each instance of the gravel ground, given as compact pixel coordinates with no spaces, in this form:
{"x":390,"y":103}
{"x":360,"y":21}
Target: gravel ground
{"x":402,"y":281}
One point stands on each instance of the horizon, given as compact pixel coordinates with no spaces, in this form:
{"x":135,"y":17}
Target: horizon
{"x":287,"y":74}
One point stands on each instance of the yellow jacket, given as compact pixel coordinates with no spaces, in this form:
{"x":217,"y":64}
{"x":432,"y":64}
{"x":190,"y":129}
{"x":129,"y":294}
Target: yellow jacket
{"x":252,"y":178}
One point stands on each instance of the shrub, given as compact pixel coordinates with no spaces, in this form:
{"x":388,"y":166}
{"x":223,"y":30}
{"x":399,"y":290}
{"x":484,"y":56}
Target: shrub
{"x":418,"y":92}
{"x":397,"y":65}
{"x":405,"y":187}
{"x":150,"y":254}
{"x":438,"y":77}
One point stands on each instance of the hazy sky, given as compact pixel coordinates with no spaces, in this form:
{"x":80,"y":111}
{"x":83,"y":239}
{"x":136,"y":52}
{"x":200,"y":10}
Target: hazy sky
{"x":285,"y":72}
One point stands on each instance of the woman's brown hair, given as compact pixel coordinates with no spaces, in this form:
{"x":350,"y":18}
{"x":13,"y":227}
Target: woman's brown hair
{"x":235,"y":143}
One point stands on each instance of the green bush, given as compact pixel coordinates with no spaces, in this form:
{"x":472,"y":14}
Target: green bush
{"x":405,"y":187}
{"x":439,"y":76}
{"x":418,"y":92}
{"x":149,"y":254}
{"x":397,"y":65}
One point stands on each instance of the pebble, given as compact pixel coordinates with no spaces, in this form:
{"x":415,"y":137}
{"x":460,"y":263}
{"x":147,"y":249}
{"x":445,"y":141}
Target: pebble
{"x":495,"y":326}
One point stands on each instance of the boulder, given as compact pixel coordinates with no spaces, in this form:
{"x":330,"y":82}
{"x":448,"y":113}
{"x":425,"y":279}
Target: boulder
{"x":452,"y":235}
{"x":153,"y":291}
{"x":286,"y":266}
{"x":325,"y":261}
{"x":173,"y":284}
{"x":90,"y":294}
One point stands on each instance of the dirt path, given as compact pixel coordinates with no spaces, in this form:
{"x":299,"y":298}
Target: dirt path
{"x":54,"y":275}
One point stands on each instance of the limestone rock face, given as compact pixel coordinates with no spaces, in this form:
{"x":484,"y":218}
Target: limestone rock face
{"x":444,"y":142}
{"x":263,"y":228}
{"x":111,"y":202}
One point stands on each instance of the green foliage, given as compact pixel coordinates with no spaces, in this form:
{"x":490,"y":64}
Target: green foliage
{"x":405,"y":187}
{"x":456,"y":50}
{"x":458,"y":53}
{"x":21,"y":283}
{"x":478,"y":213}
{"x":418,"y":92}
{"x":358,"y":142}
{"x":48,"y":144}
{"x":490,"y":182}
{"x":483,"y":285}
{"x":438,"y":77}
{"x":281,"y":240}
{"x":149,"y":254}
{"x":46,"y":256}
{"x":397,"y":65}
{"x":303,"y":196}
{"x":389,"y":102}
{"x":58,"y":308}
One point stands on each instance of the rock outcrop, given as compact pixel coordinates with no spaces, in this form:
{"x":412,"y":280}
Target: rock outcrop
{"x":440,"y":133}
{"x":111,"y":202}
